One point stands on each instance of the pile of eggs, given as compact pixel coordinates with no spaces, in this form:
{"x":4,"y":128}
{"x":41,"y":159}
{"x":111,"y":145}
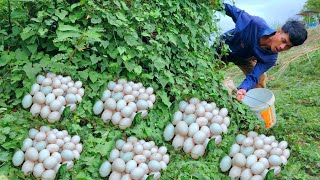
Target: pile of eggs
{"x":51,"y":94}
{"x":122,"y":100}
{"x":252,"y":156}
{"x":44,"y":151}
{"x":135,"y":159}
{"x":194,"y":124}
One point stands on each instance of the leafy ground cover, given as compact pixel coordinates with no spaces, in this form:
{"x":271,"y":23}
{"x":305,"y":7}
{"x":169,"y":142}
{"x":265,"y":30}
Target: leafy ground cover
{"x":161,"y":44}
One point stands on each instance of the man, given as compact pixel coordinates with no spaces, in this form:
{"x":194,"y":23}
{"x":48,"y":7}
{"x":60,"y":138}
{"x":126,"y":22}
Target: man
{"x":254,"y":46}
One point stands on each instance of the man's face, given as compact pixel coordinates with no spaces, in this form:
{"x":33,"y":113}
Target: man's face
{"x":280,"y":42}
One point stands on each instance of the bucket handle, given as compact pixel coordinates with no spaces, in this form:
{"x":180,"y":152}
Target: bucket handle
{"x":235,"y":92}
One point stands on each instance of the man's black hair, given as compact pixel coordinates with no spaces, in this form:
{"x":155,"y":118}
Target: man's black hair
{"x":297,"y":32}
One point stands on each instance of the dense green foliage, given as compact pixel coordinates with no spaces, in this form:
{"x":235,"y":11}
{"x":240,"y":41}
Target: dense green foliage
{"x":313,"y":5}
{"x":163,"y":44}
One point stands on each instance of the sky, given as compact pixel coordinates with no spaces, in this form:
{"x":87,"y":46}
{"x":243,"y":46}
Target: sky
{"x":274,"y":12}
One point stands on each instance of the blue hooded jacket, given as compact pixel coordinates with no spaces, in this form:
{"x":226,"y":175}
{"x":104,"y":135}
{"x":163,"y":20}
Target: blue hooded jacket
{"x":243,"y":41}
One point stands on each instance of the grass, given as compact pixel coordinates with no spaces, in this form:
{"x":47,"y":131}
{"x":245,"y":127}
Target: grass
{"x":296,"y":85}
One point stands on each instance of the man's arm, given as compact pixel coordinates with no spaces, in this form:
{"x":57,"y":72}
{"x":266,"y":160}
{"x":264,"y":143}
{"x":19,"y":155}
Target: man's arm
{"x":239,"y":17}
{"x":252,"y":78}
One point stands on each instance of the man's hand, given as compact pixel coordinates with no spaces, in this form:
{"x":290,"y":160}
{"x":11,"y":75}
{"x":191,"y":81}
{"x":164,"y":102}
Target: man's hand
{"x":240,"y":94}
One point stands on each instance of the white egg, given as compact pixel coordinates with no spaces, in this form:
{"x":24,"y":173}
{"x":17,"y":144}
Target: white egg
{"x":106,"y":115}
{"x":46,"y":82}
{"x":190,"y":109}
{"x":35,"y":109}
{"x":57,"y":155}
{"x":98,"y":107}
{"x":45,"y":111}
{"x":199,"y":137}
{"x":81,"y":92}
{"x":27,"y":101}
{"x":41,"y":136}
{"x":235,"y":148}
{"x":260,"y":153}
{"x":251,"y":159}
{"x":239,"y":160}
{"x":188,"y":145}
{"x":110,"y":104}
{"x":235,"y":172}
{"x":168,"y":132}
{"x":40,"y":145}
{"x":75,"y":139}
{"x":78,"y":84}
{"x":246,"y":174}
{"x":35,"y":88}
{"x":18,"y":158}
{"x":27,"y":167}
{"x":265,"y":162}
{"x":182,"y":128}
{"x":50,"y":162}
{"x":48,"y":175}
{"x":58,"y":92}
{"x":226,"y":121}
{"x":43,"y":154}
{"x":217,"y":119}
{"x":194,"y":101}
{"x":105,"y":169}
{"x":177,"y":142}
{"x":32,"y":133}
{"x":53,"y":148}
{"x":283,"y":145}
{"x":67,"y":155}
{"x":274,"y":160}
{"x":126,"y":111}
{"x":54,"y":116}
{"x":166,"y":158}
{"x":154,"y":166}
{"x":137,"y":173}
{"x":223,"y":112}
{"x":38,"y":170}
{"x":125,"y":123}
{"x":69,"y":145}
{"x":72,"y":90}
{"x":142,"y":104}
{"x":71,"y":98}
{"x":216,"y":129}
{"x":247,"y":141}
{"x":202,"y":121}
{"x":286,"y":153}
{"x":197,"y":151}
{"x":193,"y":128}
{"x":129,"y":98}
{"x":118,"y":165}
{"x":40,"y":78}
{"x":257,"y":168}
{"x":225,"y":164}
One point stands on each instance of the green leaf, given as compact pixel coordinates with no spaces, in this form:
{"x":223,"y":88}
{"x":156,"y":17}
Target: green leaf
{"x":27,"y":33}
{"x":138,"y":69}
{"x":62,"y":171}
{"x":96,"y":20}
{"x":185,"y":39}
{"x":164,"y":98}
{"x":5,"y":156}
{"x":61,"y":14}
{"x":32,"y":48}
{"x":94,"y":59}
{"x":105,"y":43}
{"x":172,"y":38}
{"x":121,"y":50}
{"x":63,"y":27}
{"x":93,"y":76}
{"x":270,"y":175}
{"x":4,"y":59}
{"x":131,"y":40}
{"x":31,"y":71}
{"x":84,"y":74}
{"x":159,"y":63}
